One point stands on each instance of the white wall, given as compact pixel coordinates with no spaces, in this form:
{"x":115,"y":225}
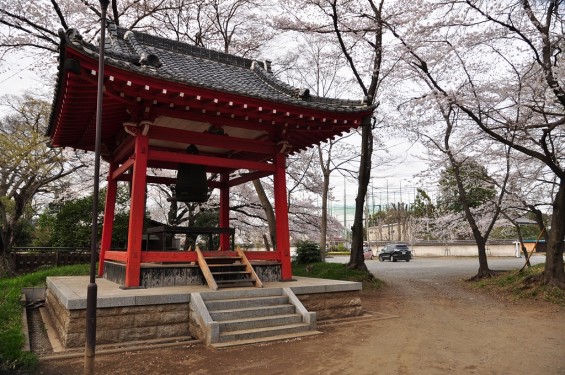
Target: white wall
{"x":506,"y":249}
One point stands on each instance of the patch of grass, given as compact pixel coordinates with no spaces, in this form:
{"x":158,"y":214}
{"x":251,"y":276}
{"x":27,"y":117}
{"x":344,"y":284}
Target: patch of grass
{"x":523,"y":285}
{"x":12,"y":358}
{"x":337,"y":271}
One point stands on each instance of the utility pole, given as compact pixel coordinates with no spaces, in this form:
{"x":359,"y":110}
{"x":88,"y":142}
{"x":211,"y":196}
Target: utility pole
{"x":387,"y":194}
{"x":373,"y":195}
{"x":92,"y":290}
{"x":344,"y":210}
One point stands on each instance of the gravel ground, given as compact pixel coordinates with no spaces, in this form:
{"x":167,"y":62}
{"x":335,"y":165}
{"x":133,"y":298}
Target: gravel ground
{"x":38,"y":340}
{"x":425,"y":321}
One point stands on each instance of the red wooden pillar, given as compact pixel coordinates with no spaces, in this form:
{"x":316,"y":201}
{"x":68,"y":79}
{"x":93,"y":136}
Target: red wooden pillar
{"x":281,"y":217}
{"x":137,"y":211}
{"x":224,"y":211}
{"x":109,"y":211}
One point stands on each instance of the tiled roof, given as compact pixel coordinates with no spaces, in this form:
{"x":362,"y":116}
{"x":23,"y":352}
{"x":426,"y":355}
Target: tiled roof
{"x":200,"y":67}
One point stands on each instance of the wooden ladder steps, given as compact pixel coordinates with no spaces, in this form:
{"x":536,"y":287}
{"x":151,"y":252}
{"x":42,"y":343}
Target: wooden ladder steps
{"x":228,"y":270}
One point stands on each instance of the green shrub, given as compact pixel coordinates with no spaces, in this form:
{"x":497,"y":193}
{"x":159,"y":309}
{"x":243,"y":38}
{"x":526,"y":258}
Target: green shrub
{"x":13,"y":360}
{"x":341,"y":248}
{"x":307,"y":252}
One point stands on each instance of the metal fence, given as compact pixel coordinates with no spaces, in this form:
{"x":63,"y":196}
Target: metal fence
{"x":26,"y":259}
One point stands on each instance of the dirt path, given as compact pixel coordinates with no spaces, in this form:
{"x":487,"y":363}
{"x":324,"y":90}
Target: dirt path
{"x":434,"y":325}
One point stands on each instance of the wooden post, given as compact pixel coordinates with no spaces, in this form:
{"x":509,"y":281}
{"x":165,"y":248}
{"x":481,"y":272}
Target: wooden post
{"x":137,"y":211}
{"x":281,"y":217}
{"x":109,"y":213}
{"x":224,"y":211}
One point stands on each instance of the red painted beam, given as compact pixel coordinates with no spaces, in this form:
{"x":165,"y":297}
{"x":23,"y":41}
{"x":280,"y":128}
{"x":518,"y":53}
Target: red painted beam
{"x":168,"y":256}
{"x":123,"y":168}
{"x":224,"y":211}
{"x":207,"y":139}
{"x":262,"y":255}
{"x":172,"y":180}
{"x":190,"y":256}
{"x":109,"y":213}
{"x":124,"y":150}
{"x":281,"y":217}
{"x":119,"y":256}
{"x":137,"y":211}
{"x":174,"y":165}
{"x":209,"y":161}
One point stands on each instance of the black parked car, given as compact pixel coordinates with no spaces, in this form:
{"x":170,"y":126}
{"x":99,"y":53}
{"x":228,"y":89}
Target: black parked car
{"x":394,"y":252}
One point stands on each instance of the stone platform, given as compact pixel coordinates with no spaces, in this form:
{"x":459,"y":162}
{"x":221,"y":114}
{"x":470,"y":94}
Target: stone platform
{"x":156,"y":313}
{"x":154,"y":275}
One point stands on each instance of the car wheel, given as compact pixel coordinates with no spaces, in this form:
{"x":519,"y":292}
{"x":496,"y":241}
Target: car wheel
{"x":408,"y":260}
{"x":381,"y":259}
{"x":372,"y":257}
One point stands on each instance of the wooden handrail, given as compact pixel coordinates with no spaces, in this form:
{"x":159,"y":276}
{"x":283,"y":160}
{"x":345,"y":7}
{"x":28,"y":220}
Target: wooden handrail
{"x":206,"y":270}
{"x":249,"y":268}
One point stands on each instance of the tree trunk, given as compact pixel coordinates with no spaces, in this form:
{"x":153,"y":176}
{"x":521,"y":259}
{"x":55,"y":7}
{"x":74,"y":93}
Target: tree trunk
{"x":520,"y":240}
{"x":269,"y":212}
{"x":484,"y":271}
{"x":324,"y":223}
{"x":356,"y":260}
{"x":522,"y":247}
{"x":554,"y":273}
{"x":266,"y":242}
{"x":6,"y":240}
{"x":539,"y":219}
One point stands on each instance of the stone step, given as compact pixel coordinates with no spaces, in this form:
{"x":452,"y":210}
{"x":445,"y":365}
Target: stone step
{"x":228,"y":344}
{"x":253,"y":333}
{"x":230,"y":304}
{"x":234,"y":283}
{"x":241,"y":293}
{"x":251,"y":312}
{"x":259,"y":322}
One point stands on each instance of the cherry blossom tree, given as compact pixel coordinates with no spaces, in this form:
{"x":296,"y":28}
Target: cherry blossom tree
{"x":498,"y":64}
{"x":28,"y":166}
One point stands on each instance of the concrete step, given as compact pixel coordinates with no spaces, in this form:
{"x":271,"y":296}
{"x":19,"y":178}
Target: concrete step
{"x":234,"y":283}
{"x":251,"y":312}
{"x":259,"y":322}
{"x":230,"y":304}
{"x":228,"y":344}
{"x":255,"y":333}
{"x":241,"y":293}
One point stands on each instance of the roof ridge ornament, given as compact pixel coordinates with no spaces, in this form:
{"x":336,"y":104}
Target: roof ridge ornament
{"x":73,"y":35}
{"x":112,"y":40}
{"x":145,"y":58}
{"x":267,"y":66}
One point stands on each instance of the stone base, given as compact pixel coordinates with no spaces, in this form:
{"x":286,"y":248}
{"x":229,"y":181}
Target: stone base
{"x":333,"y":305}
{"x":154,"y":275}
{"x":118,"y":324}
{"x":158,"y":313}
